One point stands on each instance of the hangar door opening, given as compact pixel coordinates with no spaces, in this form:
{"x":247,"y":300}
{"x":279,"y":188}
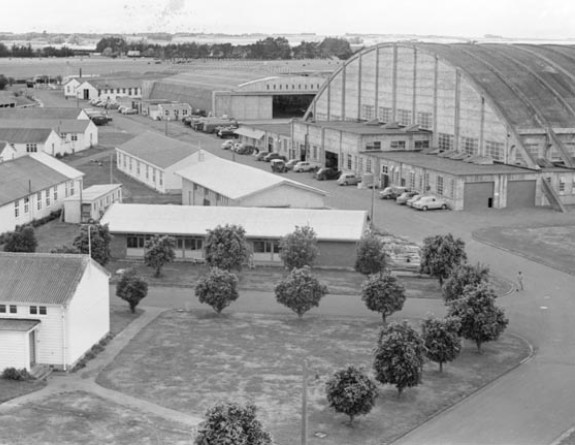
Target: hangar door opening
{"x":520,"y":194}
{"x":286,"y":106}
{"x":478,"y":195}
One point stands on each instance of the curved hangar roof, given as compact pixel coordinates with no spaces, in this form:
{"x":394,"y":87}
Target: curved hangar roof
{"x":532,"y":85}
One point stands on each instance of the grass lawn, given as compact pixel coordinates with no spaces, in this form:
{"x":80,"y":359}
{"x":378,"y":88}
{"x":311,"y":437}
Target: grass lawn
{"x":552,"y":246}
{"x":189,"y":360}
{"x":80,"y":417}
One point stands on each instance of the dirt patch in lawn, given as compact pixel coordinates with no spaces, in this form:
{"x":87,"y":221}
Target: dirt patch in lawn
{"x":189,"y":360}
{"x":80,"y":417}
{"x":552,"y":246}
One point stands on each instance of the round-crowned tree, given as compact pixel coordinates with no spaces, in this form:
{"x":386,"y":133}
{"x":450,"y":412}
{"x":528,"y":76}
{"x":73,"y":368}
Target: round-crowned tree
{"x":300,"y":291}
{"x":481,"y":320}
{"x":441,"y":339}
{"x":97,"y":241}
{"x":371,"y":255}
{"x":398,"y":357}
{"x":440,"y":254}
{"x":22,"y":240}
{"x":299,"y":249}
{"x":462,"y":276}
{"x":351,"y":392}
{"x":132,"y":289}
{"x":226,"y":247}
{"x":218,"y":289}
{"x":383,"y":294}
{"x":159,"y":251}
{"x":233,"y":424}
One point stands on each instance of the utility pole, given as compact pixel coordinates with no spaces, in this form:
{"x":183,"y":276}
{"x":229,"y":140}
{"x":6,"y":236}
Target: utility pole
{"x":111,"y":166}
{"x":372,"y":199}
{"x":304,"y":404}
{"x":166,"y":130}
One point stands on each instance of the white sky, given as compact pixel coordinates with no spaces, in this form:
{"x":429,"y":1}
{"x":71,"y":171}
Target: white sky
{"x":545,"y":19}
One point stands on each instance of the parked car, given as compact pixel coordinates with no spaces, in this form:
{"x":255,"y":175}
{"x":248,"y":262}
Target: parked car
{"x":226,"y":133}
{"x":290,"y":164}
{"x":100,"y":120}
{"x":326,"y":173}
{"x":392,"y":192}
{"x":278,"y":166}
{"x":261,"y":155}
{"x":413,"y":200}
{"x":304,"y":166}
{"x":430,"y":203}
{"x":129,"y":111}
{"x":228,"y":145}
{"x":348,"y":178}
{"x":405,"y":196}
{"x":272,"y":155}
{"x":244,"y":149}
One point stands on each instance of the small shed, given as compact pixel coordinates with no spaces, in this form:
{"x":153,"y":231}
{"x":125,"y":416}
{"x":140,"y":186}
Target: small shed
{"x":91,"y":203}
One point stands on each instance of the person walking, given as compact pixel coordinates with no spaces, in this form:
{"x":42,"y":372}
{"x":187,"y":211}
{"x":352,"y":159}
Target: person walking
{"x":519,"y":281}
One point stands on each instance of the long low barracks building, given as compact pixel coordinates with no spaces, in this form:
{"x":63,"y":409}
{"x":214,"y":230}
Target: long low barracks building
{"x":337,"y":231}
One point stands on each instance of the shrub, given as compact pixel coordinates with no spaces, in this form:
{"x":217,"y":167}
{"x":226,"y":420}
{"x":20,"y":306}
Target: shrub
{"x":16,"y":374}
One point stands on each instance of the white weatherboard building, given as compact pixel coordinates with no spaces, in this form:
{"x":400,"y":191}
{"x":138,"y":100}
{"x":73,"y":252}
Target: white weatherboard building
{"x":55,"y":315}
{"x":337,"y":231}
{"x":154,"y":159}
{"x":220,"y":182}
{"x":33,"y":186}
{"x":22,"y":141}
{"x":91,"y":203}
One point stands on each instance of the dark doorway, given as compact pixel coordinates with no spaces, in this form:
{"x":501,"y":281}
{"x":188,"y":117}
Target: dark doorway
{"x":286,"y":106}
{"x":86,"y":94}
{"x":331,"y":159}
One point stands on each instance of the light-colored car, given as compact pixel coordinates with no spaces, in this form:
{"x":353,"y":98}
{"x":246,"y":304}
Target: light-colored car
{"x":304,"y":166}
{"x":430,"y":203}
{"x":413,"y":200}
{"x":291,"y":163}
{"x":228,"y":145}
{"x":406,"y":196}
{"x":348,"y":178}
{"x":129,"y":111}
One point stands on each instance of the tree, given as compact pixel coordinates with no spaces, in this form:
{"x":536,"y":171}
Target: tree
{"x":300,"y":291}
{"x":299,"y":248}
{"x":218,"y":289}
{"x":441,"y":339}
{"x":440,"y":254}
{"x":481,"y":320}
{"x":371,"y":256}
{"x":462,"y":276}
{"x":99,"y":240}
{"x":3,"y":81}
{"x":159,"y":251}
{"x":132,"y":289}
{"x":398,"y":358}
{"x":351,"y":392}
{"x":231,"y":423}
{"x":226,"y":247}
{"x":383,"y":294}
{"x":22,"y":240}
{"x":332,"y":46}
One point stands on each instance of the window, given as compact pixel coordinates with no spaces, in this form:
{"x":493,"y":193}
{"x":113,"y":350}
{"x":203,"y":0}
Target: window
{"x":74,"y":137}
{"x":39,"y":200}
{"x":138,"y":168}
{"x":190,"y":243}
{"x":153,"y":175}
{"x":349,"y":162}
{"x":48,"y":198}
{"x":424,"y":120}
{"x":130,"y":91}
{"x":31,"y":148}
{"x":135,"y":241}
{"x":2,"y":308}
{"x":404,"y":117}
{"x":71,"y":188}
{"x":147,"y":170}
{"x":123,"y":91}
{"x":63,"y":135}
{"x":439,"y":185}
{"x":13,"y":309}
{"x":494,"y":149}
{"x":384,"y":169}
{"x":469,"y":145}
{"x":561,"y":185}
{"x":43,"y":310}
{"x":266,"y":246}
{"x":384,"y":114}
{"x":375,"y":145}
{"x":368,"y":111}
{"x":55,"y":193}
{"x":17,"y":208}
{"x":130,"y":164}
{"x":412,"y":180}
{"x":421,"y":144}
{"x":124,"y":160}
{"x":368,"y":166}
{"x":397,"y":145}
{"x":33,"y":310}
{"x":26,"y":204}
{"x":445,"y":141}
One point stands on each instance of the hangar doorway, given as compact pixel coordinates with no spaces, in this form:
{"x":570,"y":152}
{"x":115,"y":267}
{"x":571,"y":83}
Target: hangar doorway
{"x":331,"y":160}
{"x":287,"y":106}
{"x":478,"y":195}
{"x":521,"y":194}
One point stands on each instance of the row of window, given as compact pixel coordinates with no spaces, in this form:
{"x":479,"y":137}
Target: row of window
{"x":46,"y":194}
{"x":311,"y":87}
{"x":13,"y":309}
{"x":126,"y":161}
{"x":118,"y":91}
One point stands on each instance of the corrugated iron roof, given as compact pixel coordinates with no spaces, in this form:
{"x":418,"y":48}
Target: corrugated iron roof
{"x":20,"y":135}
{"x":29,"y":174}
{"x":94,"y":192}
{"x":17,"y":324}
{"x":58,"y":125}
{"x":40,"y":278}
{"x":258,"y":222}
{"x":235,"y":180}
{"x":40,"y":113}
{"x":158,"y":150}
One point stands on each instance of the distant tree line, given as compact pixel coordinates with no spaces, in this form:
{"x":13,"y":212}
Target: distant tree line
{"x":27,"y":51}
{"x":270,"y":48}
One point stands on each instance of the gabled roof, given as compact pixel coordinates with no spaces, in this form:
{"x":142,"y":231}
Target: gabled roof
{"x":40,"y":113}
{"x":58,"y":125}
{"x":25,"y":135}
{"x":106,"y":83}
{"x":157,"y":149}
{"x":258,"y":222}
{"x":235,"y":180}
{"x":41,"y":278}
{"x":25,"y":175}
{"x":94,"y":192}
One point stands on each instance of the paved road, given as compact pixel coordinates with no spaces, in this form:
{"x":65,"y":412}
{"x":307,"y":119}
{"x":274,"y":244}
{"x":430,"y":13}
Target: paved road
{"x":535,"y":403}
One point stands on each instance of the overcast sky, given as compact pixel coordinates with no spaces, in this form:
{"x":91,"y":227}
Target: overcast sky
{"x":546,"y":19}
